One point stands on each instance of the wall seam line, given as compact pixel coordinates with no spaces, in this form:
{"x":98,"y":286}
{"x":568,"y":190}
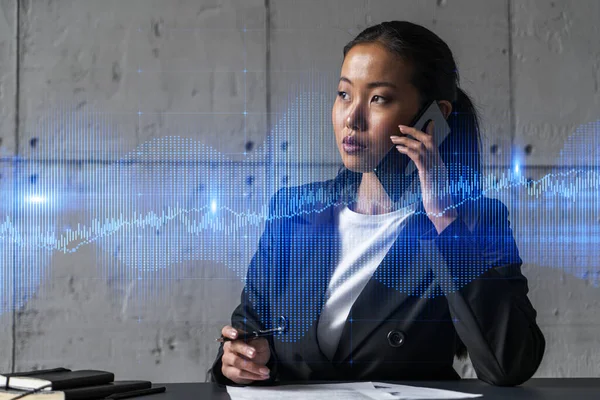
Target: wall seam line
{"x":511,"y":80}
{"x":15,"y":182}
{"x":269,"y":139}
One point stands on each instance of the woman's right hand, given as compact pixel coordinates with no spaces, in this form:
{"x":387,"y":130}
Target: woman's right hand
{"x":244,"y":362}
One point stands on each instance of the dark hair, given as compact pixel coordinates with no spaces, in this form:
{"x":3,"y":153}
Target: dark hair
{"x":435,"y":75}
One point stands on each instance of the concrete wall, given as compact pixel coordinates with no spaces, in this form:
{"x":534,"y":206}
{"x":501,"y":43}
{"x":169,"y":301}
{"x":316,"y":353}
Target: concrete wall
{"x":118,"y":108}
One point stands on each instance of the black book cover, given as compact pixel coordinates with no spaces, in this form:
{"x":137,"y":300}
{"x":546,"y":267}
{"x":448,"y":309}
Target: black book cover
{"x":62,"y":380}
{"x":37,"y":372}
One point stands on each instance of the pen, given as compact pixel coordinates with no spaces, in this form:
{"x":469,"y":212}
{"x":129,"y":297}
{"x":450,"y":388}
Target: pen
{"x":134,"y":393}
{"x":252,"y":335}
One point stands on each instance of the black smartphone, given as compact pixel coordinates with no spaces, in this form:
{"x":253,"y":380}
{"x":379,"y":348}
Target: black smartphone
{"x":431,"y":112}
{"x":389,"y":170}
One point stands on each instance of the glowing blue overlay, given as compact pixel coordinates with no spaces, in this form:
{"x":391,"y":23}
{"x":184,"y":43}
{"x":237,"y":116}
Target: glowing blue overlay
{"x":174,"y":199}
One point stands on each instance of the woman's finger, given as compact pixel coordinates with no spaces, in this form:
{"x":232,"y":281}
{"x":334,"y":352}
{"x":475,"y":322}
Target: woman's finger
{"x":426,"y":138}
{"x":408,"y":142}
{"x":260,"y":344}
{"x":248,"y":365}
{"x":409,"y":152}
{"x":229,"y":332}
{"x":233,"y":360}
{"x":412,"y":154}
{"x":236,"y":375}
{"x":402,"y":139}
{"x":240,"y":347}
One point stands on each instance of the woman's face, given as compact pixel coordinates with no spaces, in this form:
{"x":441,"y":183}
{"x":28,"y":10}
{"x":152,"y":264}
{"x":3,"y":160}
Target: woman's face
{"x":374,"y":97}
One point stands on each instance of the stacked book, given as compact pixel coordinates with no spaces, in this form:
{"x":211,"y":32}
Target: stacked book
{"x":64,"y":384}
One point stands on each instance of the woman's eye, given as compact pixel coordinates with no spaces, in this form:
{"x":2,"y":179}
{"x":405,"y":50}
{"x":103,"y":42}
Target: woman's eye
{"x":377,"y":98}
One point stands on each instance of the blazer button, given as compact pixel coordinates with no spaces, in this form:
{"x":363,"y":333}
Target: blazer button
{"x":395,"y":338}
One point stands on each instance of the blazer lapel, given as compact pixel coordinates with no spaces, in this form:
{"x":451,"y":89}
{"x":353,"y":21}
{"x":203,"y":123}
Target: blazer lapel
{"x":314,"y":245}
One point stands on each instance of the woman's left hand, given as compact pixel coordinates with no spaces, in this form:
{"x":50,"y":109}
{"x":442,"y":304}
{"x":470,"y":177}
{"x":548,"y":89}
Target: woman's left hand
{"x":437,"y":199}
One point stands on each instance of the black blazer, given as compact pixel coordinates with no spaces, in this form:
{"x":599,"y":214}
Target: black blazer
{"x":431,"y":295}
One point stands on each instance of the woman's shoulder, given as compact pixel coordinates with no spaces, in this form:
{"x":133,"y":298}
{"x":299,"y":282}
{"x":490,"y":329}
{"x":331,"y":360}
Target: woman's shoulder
{"x":291,"y":199}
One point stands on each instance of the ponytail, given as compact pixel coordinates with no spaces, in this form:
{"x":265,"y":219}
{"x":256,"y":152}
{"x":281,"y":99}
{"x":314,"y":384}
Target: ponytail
{"x":461,"y":149}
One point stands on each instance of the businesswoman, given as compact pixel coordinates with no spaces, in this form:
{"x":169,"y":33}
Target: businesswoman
{"x":374,"y":285}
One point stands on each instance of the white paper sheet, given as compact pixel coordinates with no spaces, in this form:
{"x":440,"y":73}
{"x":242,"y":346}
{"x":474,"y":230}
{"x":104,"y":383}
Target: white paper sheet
{"x":343,"y":391}
{"x":416,"y":392}
{"x":330,"y":391}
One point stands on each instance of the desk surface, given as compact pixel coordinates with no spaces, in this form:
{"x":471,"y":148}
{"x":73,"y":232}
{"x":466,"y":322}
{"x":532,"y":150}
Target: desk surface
{"x":543,"y":388}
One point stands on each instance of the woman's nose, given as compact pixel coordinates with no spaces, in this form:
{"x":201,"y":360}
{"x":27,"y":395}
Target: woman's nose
{"x":356,"y":120}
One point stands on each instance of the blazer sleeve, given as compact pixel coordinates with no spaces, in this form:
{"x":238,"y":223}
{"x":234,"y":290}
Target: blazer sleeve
{"x":479,"y":271}
{"x":254,"y":309}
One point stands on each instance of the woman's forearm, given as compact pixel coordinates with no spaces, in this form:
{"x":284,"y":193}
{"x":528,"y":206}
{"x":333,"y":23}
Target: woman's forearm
{"x":480,"y":275}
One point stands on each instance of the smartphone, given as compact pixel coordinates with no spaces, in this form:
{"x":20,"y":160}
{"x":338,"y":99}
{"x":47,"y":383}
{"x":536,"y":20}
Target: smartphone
{"x":389,"y":170}
{"x":430,"y":112}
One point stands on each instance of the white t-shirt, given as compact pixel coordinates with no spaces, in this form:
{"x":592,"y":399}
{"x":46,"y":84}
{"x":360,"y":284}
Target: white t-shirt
{"x":365,"y":241}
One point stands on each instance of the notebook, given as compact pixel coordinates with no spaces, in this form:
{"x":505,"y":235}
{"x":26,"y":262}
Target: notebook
{"x":4,"y":377}
{"x":59,"y":380}
{"x":80,"y":393}
{"x":43,"y":395}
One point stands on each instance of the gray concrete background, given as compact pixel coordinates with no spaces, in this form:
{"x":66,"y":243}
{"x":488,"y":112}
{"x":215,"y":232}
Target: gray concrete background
{"x":86,"y":83}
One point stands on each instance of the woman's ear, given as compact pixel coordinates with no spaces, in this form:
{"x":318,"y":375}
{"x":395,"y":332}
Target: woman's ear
{"x":446,"y":107}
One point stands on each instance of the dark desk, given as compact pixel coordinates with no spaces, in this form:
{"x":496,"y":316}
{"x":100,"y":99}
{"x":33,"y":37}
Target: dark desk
{"x":556,"y":388}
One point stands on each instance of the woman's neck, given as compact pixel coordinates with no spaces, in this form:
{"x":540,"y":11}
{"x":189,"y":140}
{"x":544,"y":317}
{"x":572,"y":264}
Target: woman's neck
{"x":371,"y":197}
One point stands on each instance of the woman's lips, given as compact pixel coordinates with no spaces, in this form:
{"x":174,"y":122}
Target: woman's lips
{"x":352,"y":148}
{"x":352,"y":145}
